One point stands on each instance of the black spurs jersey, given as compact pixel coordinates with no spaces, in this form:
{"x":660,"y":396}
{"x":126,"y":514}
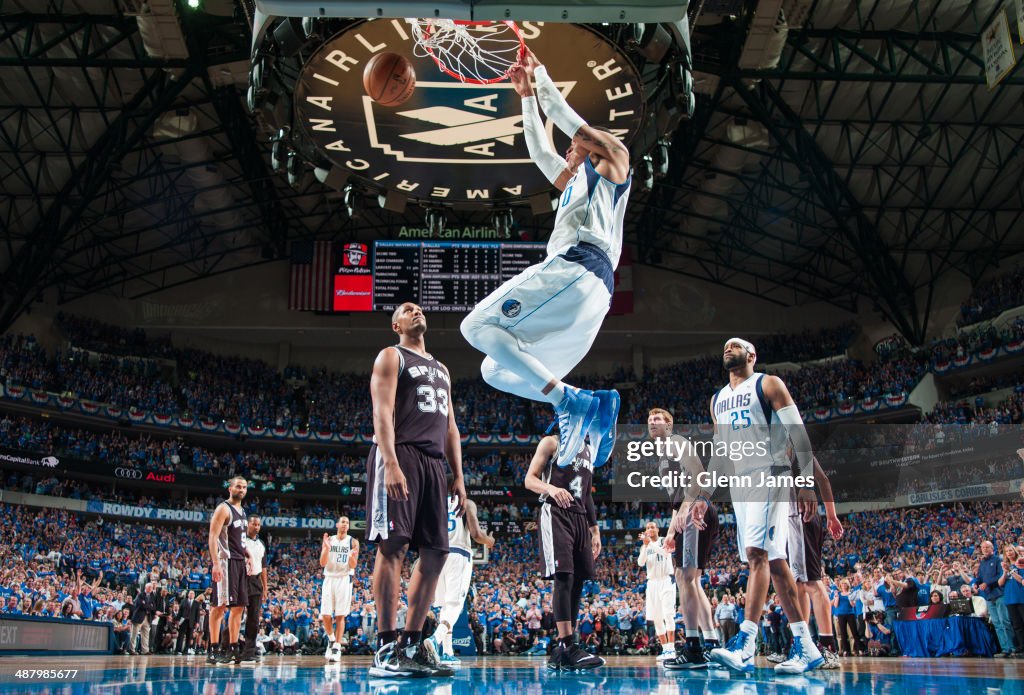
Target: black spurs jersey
{"x":422,"y":400}
{"x":230,"y":541}
{"x":577,"y":478}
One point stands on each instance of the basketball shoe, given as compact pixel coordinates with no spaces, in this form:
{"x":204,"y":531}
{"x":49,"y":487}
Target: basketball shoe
{"x":575,"y":414}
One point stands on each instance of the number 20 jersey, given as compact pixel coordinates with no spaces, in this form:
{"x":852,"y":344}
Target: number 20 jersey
{"x":422,"y":400}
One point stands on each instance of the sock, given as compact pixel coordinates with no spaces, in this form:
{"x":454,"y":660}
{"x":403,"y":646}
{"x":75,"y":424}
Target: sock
{"x":441,"y":632}
{"x":749,"y":627}
{"x":693,"y":639}
{"x":710,"y":635}
{"x":410,"y":638}
{"x":556,"y":395}
{"x":386,"y":637}
{"x":448,"y":649}
{"x":827,"y":641}
{"x":330,"y":639}
{"x":803,"y":633}
{"x":566,"y":642}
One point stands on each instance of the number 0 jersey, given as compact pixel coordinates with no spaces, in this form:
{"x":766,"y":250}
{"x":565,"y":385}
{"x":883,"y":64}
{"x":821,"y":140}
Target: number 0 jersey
{"x":421,"y":402}
{"x":576,"y":478}
{"x":591,"y":210}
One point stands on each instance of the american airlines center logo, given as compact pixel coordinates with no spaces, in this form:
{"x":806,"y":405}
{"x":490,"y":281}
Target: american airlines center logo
{"x":452,"y":141}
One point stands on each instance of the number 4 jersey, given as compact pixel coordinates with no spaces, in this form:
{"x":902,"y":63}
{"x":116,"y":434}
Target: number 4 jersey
{"x":421,"y":402}
{"x":576,"y":478}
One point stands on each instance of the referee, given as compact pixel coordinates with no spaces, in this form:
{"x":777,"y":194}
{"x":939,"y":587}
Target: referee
{"x":257,"y":586}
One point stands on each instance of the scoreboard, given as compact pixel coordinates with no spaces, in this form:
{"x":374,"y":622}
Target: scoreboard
{"x":448,"y":276}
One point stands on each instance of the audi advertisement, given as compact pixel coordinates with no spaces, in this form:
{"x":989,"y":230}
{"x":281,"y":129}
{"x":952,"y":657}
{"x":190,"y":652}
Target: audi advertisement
{"x":137,"y":474}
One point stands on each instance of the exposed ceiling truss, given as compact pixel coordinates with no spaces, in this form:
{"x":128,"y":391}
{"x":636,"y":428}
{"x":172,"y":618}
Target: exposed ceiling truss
{"x":864,"y":161}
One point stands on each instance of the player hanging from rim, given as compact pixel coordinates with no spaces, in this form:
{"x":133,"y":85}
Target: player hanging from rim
{"x":536,"y":327}
{"x":690,"y":548}
{"x":414,"y":432}
{"x":570,"y":542}
{"x":453,"y":585}
{"x":228,"y":572}
{"x":660,"y":596}
{"x":338,"y":556}
{"x":748,"y":411}
{"x":804,"y":547}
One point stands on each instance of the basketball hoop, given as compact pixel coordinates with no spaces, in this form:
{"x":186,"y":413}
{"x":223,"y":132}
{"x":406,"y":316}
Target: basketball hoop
{"x":471,"y":52}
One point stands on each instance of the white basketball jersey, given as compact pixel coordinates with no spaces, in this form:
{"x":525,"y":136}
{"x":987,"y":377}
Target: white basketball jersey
{"x":659,"y":561}
{"x":743,"y":415}
{"x":337,"y":557}
{"x":591,"y":210}
{"x":458,"y":533}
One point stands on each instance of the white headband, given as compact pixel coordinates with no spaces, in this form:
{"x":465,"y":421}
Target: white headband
{"x":747,"y":345}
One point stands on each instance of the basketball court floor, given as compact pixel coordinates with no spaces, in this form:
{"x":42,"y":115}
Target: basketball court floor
{"x":275,"y":674}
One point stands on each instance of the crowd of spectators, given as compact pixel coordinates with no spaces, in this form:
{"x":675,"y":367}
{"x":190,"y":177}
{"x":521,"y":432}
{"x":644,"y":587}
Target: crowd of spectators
{"x":990,"y":298}
{"x":685,"y":389}
{"x":976,"y":340}
{"x":108,"y":364}
{"x":170,"y":453}
{"x":56,"y":563}
{"x":90,"y":334}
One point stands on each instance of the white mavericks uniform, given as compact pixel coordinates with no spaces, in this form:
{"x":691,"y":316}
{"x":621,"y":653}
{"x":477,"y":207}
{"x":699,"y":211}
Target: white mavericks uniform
{"x":453,"y":584}
{"x":336,"y":597}
{"x":661,"y":592}
{"x":555,"y":308}
{"x":744,"y":416}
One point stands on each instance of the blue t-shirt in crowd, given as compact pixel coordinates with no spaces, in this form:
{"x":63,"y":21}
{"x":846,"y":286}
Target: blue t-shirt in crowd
{"x":1013,"y":590}
{"x":843,"y":605}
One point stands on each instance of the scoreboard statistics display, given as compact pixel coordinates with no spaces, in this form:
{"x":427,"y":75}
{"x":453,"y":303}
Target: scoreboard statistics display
{"x":449,"y":276}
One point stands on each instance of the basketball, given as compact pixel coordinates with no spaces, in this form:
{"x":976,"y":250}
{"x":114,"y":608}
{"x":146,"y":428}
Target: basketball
{"x":389,"y":79}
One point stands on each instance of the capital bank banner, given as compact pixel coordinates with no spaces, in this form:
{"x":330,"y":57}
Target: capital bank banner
{"x":199,"y":516}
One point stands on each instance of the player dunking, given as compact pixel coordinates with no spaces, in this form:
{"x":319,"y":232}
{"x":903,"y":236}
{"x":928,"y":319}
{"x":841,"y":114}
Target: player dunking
{"x":690,"y":548}
{"x":540,"y":324}
{"x":453,"y":585}
{"x":414,"y":431}
{"x":569,"y":542}
{"x":338,"y":556}
{"x":228,"y":554}
{"x":661,"y":594}
{"x":746,"y":411}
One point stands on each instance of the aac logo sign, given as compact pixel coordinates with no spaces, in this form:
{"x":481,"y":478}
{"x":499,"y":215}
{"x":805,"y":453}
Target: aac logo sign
{"x":453,"y":141}
{"x":129,"y":473}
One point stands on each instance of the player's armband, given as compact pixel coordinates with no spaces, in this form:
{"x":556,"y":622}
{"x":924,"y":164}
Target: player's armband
{"x":555,"y":105}
{"x":550,"y":164}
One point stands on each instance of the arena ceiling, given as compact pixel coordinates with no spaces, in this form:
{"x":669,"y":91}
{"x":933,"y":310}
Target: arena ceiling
{"x":850,"y":152}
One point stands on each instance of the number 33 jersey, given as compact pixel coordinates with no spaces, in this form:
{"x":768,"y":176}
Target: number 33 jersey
{"x":576,"y":478}
{"x":422,"y":399}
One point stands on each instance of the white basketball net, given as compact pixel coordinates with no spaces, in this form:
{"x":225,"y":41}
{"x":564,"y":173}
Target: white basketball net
{"x":479,"y":52}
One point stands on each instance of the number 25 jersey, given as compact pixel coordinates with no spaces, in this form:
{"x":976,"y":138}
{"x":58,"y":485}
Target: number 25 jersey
{"x":422,"y":399}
